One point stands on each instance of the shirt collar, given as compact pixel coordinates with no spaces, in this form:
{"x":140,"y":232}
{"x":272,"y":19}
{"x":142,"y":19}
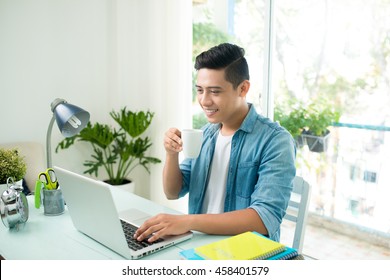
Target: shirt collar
{"x":250,"y":119}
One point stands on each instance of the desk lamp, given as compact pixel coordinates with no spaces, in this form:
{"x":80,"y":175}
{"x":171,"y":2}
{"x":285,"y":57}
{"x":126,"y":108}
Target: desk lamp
{"x":70,"y":120}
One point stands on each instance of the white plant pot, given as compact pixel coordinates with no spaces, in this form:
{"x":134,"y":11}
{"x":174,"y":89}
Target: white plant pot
{"x":129,"y":187}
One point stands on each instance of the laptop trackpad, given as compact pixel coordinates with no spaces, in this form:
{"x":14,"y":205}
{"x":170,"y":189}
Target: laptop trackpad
{"x":134,"y":216}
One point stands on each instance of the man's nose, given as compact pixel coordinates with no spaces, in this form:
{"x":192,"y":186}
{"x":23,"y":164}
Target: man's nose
{"x":205,"y":99}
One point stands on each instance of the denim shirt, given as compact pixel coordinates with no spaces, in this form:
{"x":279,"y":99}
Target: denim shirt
{"x":260,"y":172}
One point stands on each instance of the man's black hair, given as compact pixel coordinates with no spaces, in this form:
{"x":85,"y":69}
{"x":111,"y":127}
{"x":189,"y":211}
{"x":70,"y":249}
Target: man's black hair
{"x":225,"y":56}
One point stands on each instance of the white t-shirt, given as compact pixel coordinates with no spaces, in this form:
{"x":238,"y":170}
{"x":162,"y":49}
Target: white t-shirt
{"x":214,"y":199}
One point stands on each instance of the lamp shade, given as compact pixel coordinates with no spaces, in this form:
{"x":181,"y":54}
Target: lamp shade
{"x":69,"y":118}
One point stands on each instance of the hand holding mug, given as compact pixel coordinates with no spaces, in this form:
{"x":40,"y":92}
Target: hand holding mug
{"x":189,"y":141}
{"x":172,"y":141}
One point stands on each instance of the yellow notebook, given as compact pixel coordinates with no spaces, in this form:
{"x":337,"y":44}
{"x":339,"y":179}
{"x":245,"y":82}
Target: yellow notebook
{"x":244,"y":246}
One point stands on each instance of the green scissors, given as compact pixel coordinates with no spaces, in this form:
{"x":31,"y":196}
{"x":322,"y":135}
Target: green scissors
{"x":49,"y":179}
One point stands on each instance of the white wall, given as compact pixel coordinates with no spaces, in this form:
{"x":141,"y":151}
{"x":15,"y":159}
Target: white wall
{"x":100,"y":55}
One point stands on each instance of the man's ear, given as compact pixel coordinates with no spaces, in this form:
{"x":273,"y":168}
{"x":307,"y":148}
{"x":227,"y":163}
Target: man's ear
{"x":244,"y":88}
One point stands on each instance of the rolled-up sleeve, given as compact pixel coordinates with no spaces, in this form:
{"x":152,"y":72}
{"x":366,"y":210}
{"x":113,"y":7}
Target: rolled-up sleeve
{"x":185,"y":167}
{"x":275,"y":176}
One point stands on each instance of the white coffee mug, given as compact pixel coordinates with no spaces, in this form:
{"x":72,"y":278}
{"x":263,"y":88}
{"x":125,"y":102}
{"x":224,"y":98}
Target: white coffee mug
{"x":192,"y":142}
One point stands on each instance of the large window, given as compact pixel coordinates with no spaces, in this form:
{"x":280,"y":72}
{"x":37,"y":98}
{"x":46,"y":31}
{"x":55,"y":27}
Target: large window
{"x":330,"y":57}
{"x":336,"y":54}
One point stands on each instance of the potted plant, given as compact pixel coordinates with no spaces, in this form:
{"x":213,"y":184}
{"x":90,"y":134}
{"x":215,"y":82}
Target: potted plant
{"x":117,"y":150}
{"x":293,"y":121}
{"x":12,"y":164}
{"x":319,"y":116}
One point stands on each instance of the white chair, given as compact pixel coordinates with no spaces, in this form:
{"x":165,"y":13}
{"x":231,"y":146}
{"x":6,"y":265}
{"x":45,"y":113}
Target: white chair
{"x":297,"y":210}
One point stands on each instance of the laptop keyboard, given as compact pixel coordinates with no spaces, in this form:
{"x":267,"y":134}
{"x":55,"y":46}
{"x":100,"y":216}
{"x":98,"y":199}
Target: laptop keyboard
{"x":134,"y":244}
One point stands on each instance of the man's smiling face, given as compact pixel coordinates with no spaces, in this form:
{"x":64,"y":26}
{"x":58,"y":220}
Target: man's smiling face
{"x":217,"y":97}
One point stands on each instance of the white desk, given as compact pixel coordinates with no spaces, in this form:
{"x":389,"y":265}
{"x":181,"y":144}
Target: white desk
{"x":55,"y":237}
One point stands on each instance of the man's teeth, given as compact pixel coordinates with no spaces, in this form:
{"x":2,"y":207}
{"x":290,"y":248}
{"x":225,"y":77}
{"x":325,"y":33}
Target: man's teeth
{"x":211,"y":111}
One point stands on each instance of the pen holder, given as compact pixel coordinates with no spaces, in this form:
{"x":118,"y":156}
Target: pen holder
{"x":53,"y":202}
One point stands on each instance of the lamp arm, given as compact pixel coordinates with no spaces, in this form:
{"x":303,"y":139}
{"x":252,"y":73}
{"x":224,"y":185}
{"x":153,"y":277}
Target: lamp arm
{"x":48,"y":142}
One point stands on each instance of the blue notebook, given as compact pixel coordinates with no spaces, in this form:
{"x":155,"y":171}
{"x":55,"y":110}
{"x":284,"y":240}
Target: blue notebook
{"x":287,"y":254}
{"x":190,"y":254}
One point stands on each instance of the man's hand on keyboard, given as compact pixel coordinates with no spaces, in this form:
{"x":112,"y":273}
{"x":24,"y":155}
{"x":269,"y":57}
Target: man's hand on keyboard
{"x":161,"y":225}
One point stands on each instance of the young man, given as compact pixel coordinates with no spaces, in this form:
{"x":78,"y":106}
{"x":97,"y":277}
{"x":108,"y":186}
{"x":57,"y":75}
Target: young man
{"x":242,"y":179}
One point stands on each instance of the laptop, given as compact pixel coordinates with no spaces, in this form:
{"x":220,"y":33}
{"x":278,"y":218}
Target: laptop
{"x":93,"y":212}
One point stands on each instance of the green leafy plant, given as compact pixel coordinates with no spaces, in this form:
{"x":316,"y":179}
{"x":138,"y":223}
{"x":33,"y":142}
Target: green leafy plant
{"x":117,"y":150}
{"x":319,"y":116}
{"x":293,"y":121}
{"x":12,"y":164}
{"x":307,"y":123}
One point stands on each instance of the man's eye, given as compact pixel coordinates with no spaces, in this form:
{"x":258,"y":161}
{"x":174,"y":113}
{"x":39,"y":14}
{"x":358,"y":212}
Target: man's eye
{"x":215,"y":91}
{"x":199,"y":91}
